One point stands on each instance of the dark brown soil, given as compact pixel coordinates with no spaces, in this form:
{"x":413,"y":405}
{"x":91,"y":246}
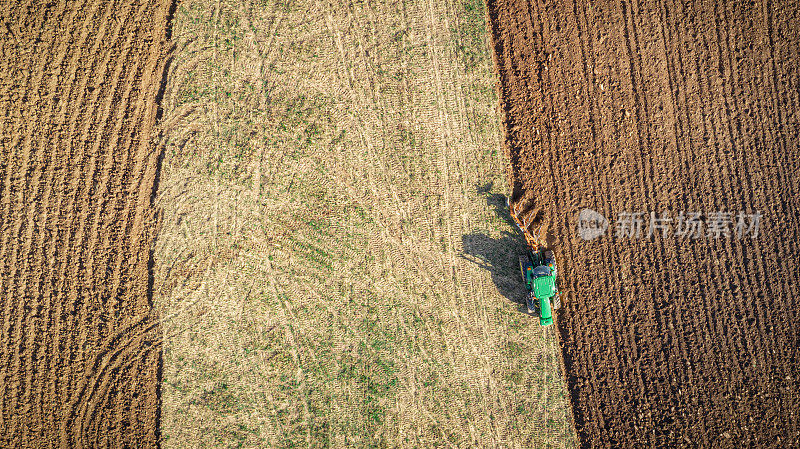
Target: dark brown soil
{"x":79,"y":349}
{"x":665,"y":107}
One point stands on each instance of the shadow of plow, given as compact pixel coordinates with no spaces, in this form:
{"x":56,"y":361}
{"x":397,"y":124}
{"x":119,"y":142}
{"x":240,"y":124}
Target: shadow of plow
{"x":498,"y":255}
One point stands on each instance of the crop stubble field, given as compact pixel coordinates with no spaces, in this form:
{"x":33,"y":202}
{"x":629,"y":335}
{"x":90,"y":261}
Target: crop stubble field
{"x":79,"y":350}
{"x":664,"y":106}
{"x":335,"y":266}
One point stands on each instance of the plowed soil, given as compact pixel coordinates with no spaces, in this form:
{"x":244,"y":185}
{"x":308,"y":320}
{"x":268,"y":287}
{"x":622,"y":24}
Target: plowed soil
{"x":79,"y":353}
{"x":665,"y":107}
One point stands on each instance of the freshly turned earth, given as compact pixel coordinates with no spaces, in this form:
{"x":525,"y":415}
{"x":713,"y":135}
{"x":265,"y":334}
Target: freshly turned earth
{"x":665,"y":107}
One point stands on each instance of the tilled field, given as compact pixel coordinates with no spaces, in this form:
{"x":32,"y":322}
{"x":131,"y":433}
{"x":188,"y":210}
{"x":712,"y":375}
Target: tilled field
{"x":79,"y":353}
{"x":665,"y":107}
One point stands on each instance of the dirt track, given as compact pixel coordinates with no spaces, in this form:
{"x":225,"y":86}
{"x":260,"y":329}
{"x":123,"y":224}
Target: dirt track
{"x":79,"y":356}
{"x":665,"y":107}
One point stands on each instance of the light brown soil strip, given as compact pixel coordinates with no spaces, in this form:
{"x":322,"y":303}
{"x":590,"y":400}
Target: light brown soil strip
{"x":79,"y":350}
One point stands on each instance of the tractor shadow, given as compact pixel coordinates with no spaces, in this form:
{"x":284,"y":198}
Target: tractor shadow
{"x":498,"y":255}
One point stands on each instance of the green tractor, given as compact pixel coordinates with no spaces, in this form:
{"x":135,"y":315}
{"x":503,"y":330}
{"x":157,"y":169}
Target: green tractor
{"x":539,"y":275}
{"x":538,"y":267}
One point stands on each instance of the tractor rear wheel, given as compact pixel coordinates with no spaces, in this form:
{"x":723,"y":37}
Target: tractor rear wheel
{"x":524,"y":263}
{"x":533,"y":304}
{"x":556,"y":301}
